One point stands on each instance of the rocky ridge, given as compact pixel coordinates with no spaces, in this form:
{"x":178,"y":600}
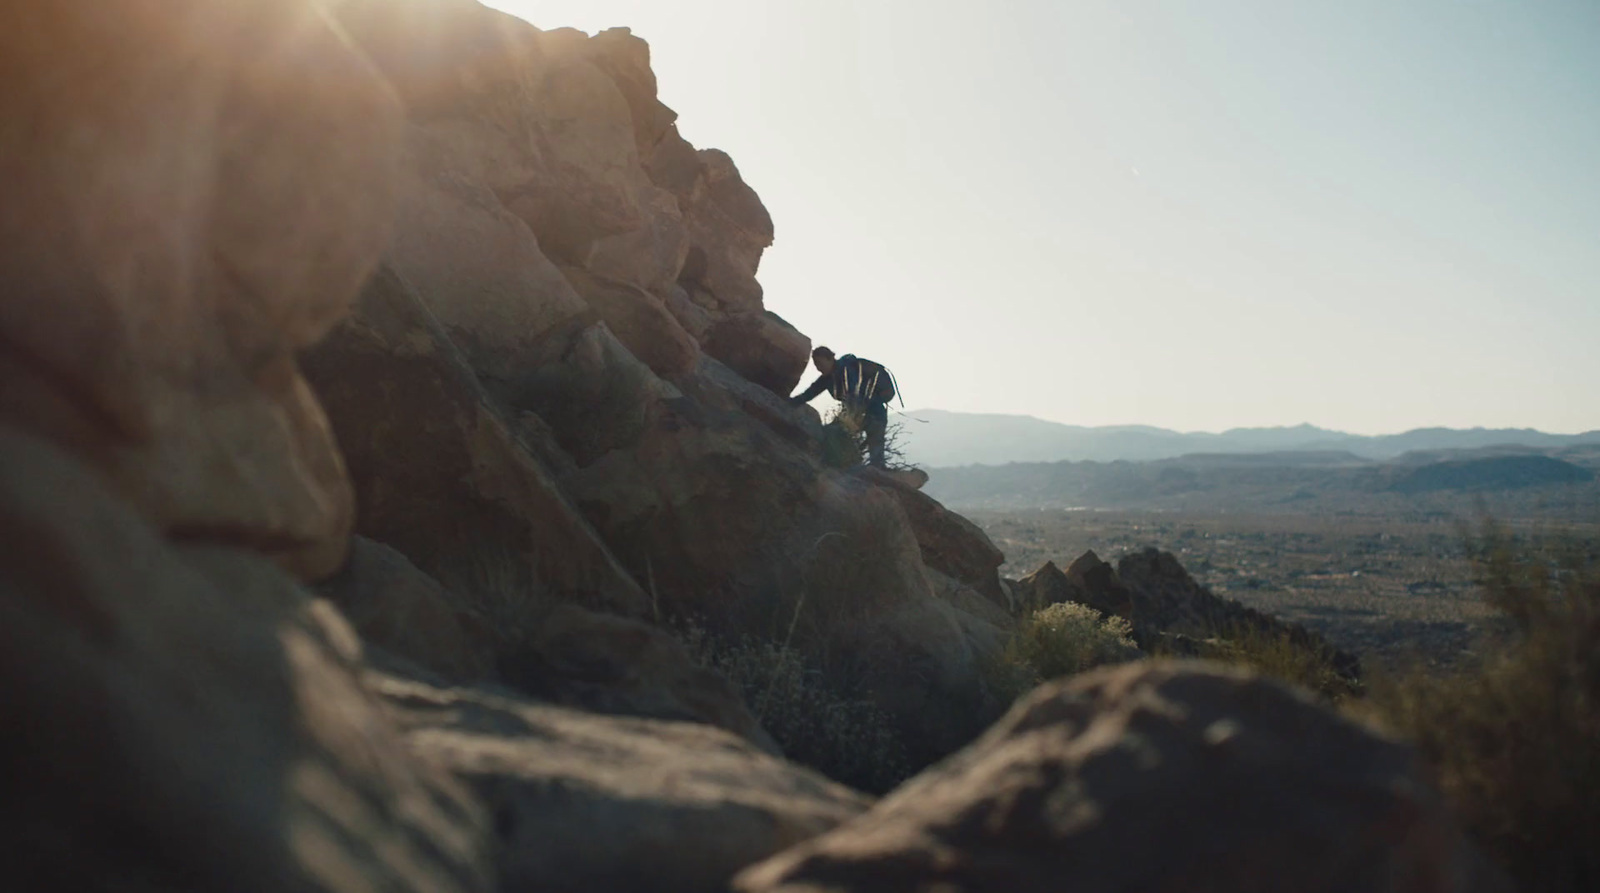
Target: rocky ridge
{"x":380,"y":377}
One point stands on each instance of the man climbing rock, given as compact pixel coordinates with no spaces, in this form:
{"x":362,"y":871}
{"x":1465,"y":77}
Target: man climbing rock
{"x":862,"y":387}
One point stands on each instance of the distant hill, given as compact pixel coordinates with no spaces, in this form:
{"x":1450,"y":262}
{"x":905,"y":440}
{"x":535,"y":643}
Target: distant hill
{"x":943,"y":439}
{"x":1493,"y":473}
{"x":1295,"y":480}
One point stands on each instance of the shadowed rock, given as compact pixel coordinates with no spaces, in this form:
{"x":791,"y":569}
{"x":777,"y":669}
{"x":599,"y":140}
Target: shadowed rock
{"x":1151,"y":777}
{"x":949,"y":543}
{"x":763,"y":348}
{"x":391,"y":603}
{"x":441,"y":474}
{"x":583,"y":802}
{"x":623,"y":667}
{"x":187,"y":718}
{"x":1087,"y":581}
{"x":1167,"y":600}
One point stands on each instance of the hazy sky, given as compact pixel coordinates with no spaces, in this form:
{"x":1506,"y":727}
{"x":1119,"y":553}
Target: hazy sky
{"x":1198,"y":214}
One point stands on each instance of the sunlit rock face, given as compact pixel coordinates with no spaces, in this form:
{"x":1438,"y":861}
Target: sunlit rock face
{"x":596,"y":274}
{"x":193,"y":193}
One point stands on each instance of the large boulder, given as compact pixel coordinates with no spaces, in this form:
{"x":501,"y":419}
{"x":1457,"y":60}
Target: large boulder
{"x":650,"y":257}
{"x":187,"y":718}
{"x":626,"y":59}
{"x":584,"y":802}
{"x":729,"y":228}
{"x":949,"y":543}
{"x":1152,"y":777}
{"x":475,"y":265}
{"x":187,"y":205}
{"x":763,"y":348}
{"x":640,"y":321}
{"x":622,"y":667}
{"x":443,"y":475}
{"x":393,"y":604}
{"x":716,"y":386}
{"x":519,"y":111}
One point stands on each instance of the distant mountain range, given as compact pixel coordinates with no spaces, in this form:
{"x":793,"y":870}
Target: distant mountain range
{"x":945,"y":439}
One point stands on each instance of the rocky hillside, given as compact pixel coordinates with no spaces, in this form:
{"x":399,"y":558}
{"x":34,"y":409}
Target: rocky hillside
{"x":385,"y":380}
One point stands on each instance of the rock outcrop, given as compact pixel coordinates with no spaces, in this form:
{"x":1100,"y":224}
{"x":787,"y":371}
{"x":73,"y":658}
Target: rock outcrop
{"x":393,"y":604}
{"x":613,"y":665}
{"x":583,"y":802}
{"x":446,"y":475}
{"x":593,"y":388}
{"x":1151,"y":777}
{"x":1168,"y":601}
{"x":1087,"y":581}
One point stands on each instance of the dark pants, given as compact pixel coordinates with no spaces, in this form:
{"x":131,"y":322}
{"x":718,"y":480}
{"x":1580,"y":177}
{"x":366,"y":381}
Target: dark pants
{"x":874,"y":418}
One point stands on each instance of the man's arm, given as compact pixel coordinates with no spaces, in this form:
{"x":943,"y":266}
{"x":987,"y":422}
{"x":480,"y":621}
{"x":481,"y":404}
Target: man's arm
{"x":809,"y":394}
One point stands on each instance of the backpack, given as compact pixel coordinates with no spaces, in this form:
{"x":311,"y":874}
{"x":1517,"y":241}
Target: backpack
{"x":856,"y":379}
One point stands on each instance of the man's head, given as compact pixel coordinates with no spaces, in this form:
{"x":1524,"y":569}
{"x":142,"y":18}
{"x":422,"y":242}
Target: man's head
{"x":823,"y":358}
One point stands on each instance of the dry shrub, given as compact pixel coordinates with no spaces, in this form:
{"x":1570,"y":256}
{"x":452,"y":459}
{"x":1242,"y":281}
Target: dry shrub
{"x":848,"y":739}
{"x":1060,"y":640}
{"x":1276,"y":654}
{"x":844,"y":442}
{"x":1515,"y":741}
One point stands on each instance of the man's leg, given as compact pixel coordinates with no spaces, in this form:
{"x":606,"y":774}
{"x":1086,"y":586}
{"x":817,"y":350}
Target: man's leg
{"x":877,"y":422}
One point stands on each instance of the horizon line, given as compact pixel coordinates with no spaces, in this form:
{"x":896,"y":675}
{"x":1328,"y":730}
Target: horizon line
{"x":1018,"y":415}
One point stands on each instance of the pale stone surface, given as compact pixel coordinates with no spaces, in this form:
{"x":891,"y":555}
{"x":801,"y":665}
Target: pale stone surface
{"x":640,"y":321}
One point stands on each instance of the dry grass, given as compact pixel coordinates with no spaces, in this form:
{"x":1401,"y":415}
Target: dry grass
{"x":1515,"y":741}
{"x":1311,"y":667}
{"x":844,"y":442}
{"x":848,"y":739}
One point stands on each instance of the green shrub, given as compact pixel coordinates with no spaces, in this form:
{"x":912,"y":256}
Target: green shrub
{"x":1060,"y":640}
{"x":848,"y":739}
{"x":844,"y":445}
{"x":1515,"y":741}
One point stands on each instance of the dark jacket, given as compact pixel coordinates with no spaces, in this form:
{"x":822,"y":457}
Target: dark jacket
{"x":852,"y":381}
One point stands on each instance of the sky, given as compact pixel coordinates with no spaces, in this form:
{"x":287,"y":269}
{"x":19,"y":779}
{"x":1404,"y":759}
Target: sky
{"x":1369,"y":216}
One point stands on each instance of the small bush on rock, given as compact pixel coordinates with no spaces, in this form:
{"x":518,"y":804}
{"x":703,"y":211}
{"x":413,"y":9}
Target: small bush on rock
{"x":1515,"y":741}
{"x":848,"y":739}
{"x":844,"y":442}
{"x":1064,"y":639}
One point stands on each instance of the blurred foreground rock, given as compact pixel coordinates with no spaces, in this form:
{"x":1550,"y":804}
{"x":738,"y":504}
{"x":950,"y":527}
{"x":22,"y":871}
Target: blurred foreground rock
{"x":187,"y":718}
{"x":1152,"y":777}
{"x":188,"y":203}
{"x":584,"y":803}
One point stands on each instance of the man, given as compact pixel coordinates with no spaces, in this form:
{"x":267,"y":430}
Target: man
{"x":862,"y":387}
